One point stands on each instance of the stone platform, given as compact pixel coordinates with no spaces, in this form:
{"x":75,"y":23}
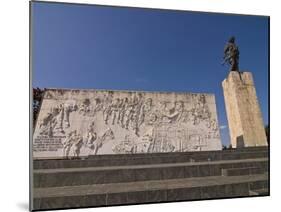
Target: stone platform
{"x":140,"y":178}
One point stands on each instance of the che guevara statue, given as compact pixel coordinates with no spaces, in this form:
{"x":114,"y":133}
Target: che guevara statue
{"x":231,"y":55}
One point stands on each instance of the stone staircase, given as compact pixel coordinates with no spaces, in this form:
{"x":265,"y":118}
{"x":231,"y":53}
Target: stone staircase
{"x":105,"y":180}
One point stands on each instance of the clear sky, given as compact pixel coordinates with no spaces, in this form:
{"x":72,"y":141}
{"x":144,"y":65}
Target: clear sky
{"x":96,"y":47}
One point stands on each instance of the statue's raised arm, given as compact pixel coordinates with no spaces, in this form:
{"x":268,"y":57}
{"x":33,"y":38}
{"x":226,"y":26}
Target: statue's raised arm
{"x":231,"y":55}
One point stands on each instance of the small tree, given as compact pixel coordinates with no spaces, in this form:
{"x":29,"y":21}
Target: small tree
{"x":37,"y":100}
{"x":224,"y":147}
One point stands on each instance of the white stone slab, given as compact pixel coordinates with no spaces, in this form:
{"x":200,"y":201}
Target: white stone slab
{"x":77,"y":123}
{"x":244,"y":116}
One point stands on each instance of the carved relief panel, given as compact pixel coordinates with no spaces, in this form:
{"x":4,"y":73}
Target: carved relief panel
{"x":78,"y":123}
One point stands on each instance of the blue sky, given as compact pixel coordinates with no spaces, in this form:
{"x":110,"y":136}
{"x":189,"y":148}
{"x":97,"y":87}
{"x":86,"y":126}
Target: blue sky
{"x":83,"y":46}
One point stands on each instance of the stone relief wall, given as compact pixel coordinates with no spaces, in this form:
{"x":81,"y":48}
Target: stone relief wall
{"x":78,"y":123}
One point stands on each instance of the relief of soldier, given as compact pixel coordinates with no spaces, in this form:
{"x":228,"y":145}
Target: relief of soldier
{"x":200,"y":110}
{"x":145,"y":110}
{"x":57,"y":119}
{"x":174,"y":114}
{"x":91,"y":136}
{"x":84,"y":107}
{"x":126,"y":112}
{"x":73,"y":140}
{"x":98,"y":106}
{"x":132,"y":112}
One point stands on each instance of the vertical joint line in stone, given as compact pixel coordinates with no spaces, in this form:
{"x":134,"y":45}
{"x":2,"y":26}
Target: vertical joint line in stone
{"x":240,"y":76}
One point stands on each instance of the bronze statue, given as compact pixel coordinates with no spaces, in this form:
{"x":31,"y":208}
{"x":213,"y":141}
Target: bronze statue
{"x":231,"y":55}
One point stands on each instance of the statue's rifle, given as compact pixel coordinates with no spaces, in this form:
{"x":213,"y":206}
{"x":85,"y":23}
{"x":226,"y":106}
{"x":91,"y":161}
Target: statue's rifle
{"x":225,"y":59}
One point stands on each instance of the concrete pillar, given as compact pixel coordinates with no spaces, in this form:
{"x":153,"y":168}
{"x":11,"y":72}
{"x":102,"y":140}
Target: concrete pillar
{"x":244,"y":116}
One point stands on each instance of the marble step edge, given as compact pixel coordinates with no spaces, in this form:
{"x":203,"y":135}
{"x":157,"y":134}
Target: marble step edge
{"x":142,"y":166}
{"x":243,"y":171}
{"x":155,"y":155}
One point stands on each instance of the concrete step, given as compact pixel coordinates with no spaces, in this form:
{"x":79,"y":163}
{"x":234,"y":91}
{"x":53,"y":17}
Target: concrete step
{"x":146,"y":191}
{"x":243,"y":171}
{"x":133,"y":173}
{"x":155,"y":158}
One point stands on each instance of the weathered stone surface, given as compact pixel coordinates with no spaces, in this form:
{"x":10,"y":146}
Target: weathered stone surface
{"x":243,"y":112}
{"x":149,"y":191}
{"x":74,"y":123}
{"x":136,"y":173}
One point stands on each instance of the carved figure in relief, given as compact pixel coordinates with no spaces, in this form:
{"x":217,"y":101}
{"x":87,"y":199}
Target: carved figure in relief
{"x":134,"y":123}
{"x":57,"y":119}
{"x":141,"y":145}
{"x":175,"y":114}
{"x":91,"y":136}
{"x":107,"y":107}
{"x":84,"y":108}
{"x":68,"y":142}
{"x":77,"y":144}
{"x":128,"y":145}
{"x":163,"y":107}
{"x":129,"y":115}
{"x":68,"y":108}
{"x":106,"y":113}
{"x":48,"y":122}
{"x":161,"y":142}
{"x":119,"y":111}
{"x":200,"y":111}
{"x":114,"y":110}
{"x":108,"y":134}
{"x":123,"y":111}
{"x":145,"y":109}
{"x":136,"y":117}
{"x":128,"y":112}
{"x":151,"y":119}
{"x":49,"y":118}
{"x":148,"y":137}
{"x":212,"y":124}
{"x":108,"y":98}
{"x":98,"y":106}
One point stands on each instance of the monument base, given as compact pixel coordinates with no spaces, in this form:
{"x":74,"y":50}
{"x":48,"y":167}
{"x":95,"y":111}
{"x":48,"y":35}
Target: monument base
{"x":243,"y":112}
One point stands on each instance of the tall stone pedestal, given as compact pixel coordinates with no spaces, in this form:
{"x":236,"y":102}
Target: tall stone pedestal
{"x":244,"y":116}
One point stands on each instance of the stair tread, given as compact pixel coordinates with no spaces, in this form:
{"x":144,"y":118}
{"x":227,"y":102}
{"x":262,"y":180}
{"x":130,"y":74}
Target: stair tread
{"x":250,"y":167}
{"x":145,"y":185}
{"x":155,"y":155}
{"x":160,"y":165}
